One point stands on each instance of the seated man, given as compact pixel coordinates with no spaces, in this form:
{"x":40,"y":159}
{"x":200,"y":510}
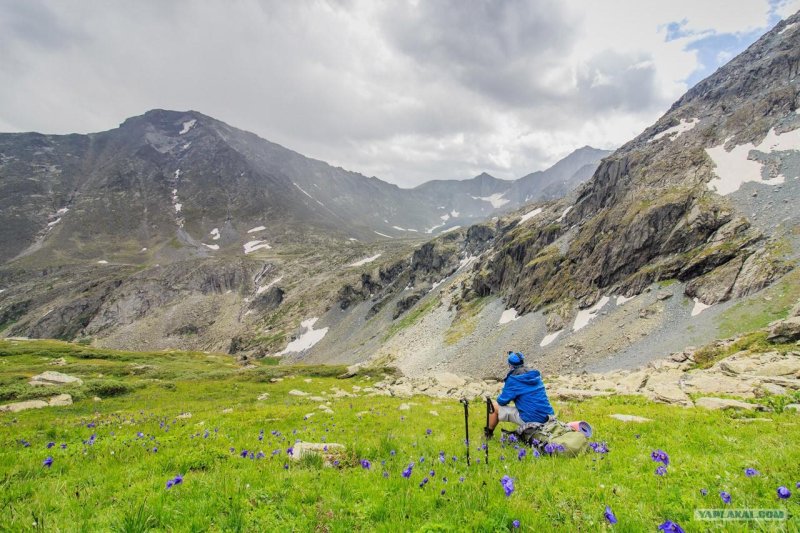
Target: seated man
{"x":525,"y":388}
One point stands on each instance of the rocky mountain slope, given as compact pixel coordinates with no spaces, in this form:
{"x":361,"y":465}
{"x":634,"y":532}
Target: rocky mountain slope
{"x":679,"y":237}
{"x":176,"y":229}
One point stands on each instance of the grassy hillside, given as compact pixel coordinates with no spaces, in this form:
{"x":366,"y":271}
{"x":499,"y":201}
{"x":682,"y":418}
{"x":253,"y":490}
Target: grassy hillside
{"x":112,"y":458}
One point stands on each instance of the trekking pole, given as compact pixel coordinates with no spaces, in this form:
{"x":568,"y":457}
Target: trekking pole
{"x":489,"y":410}
{"x":466,"y":425}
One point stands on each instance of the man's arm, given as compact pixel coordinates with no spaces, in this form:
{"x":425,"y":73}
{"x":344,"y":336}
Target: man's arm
{"x":506,"y":396}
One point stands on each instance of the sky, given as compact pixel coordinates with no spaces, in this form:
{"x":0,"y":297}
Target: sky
{"x":407,"y":91}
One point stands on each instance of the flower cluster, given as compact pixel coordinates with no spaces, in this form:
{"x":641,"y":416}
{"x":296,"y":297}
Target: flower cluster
{"x":177,"y":480}
{"x":599,"y":447}
{"x":508,"y":485}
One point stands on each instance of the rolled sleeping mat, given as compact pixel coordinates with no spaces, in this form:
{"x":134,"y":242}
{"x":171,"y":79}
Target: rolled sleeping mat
{"x":581,"y":426}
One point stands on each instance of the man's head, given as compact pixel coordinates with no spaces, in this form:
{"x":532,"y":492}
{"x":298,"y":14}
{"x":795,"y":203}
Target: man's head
{"x":515,"y":359}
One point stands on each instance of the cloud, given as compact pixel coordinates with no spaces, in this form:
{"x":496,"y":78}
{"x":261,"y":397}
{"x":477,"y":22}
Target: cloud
{"x":407,"y":91}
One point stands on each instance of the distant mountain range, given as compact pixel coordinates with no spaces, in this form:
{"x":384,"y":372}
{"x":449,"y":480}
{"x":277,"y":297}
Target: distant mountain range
{"x":184,"y":176}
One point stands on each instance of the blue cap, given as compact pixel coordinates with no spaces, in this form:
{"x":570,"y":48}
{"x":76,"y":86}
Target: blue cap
{"x":515,"y":358}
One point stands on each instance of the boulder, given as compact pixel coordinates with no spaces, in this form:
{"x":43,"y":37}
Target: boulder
{"x":725,"y":403}
{"x":792,"y":407}
{"x":577,"y":394}
{"x":705,"y":382}
{"x":402,"y":390}
{"x":785,"y":331}
{"x":51,"y":378}
{"x":771,"y":388}
{"x":665,"y":387}
{"x":60,"y":400}
{"x":329,"y":451}
{"x":630,"y":418}
{"x":23,"y":406}
{"x":449,"y":381}
{"x":295,"y":392}
{"x":633,"y":382}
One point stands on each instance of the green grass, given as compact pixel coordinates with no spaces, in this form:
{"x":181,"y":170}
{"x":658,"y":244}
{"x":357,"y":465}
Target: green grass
{"x":118,"y":482}
{"x":755,"y":313}
{"x":412,"y":317}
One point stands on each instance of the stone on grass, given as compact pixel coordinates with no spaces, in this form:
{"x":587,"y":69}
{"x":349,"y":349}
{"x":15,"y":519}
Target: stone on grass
{"x":785,"y":331}
{"x":329,"y":451}
{"x":295,"y":392}
{"x":578,"y":394}
{"x":60,"y":400}
{"x":726,"y":403}
{"x":23,"y":406}
{"x":403,"y":407}
{"x":630,"y":418}
{"x":58,"y":362}
{"x":792,"y":407}
{"x":51,"y":378}
{"x":704,"y":382}
{"x":316,"y":398}
{"x":263,"y":396}
{"x":184,"y":416}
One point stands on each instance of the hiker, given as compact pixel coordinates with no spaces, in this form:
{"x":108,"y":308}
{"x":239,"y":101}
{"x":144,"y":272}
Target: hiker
{"x":525,"y":388}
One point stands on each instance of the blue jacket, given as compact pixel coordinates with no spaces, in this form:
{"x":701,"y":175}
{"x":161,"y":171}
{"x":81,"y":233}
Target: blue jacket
{"x":526,"y":390}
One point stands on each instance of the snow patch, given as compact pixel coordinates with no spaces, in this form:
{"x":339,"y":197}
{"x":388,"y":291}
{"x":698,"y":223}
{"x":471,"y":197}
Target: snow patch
{"x":509,"y":315}
{"x":214,"y":234}
{"x":53,"y":223}
{"x":585,"y":315}
{"x":467,"y":260}
{"x":268,"y":286}
{"x":178,"y":207}
{"x":787,"y":27}
{"x":495,"y":199}
{"x":398,"y":228}
{"x":548,"y":339}
{"x":256,"y":229}
{"x":699,"y":307}
{"x":365,"y":261}
{"x":214,"y":247}
{"x":445,"y":217}
{"x":564,"y":213}
{"x":303,"y":191}
{"x":682,"y":127}
{"x":308,"y":339}
{"x":734,"y":168}
{"x":102,"y":262}
{"x":530,"y":214}
{"x":252,"y":246}
{"x":622,"y":299}
{"x":454,"y":213}
{"x":352,"y":239}
{"x":143,"y":250}
{"x":434,"y":228}
{"x":448,"y":230}
{"x":62,"y":211}
{"x":383,"y":235}
{"x":187,"y":126}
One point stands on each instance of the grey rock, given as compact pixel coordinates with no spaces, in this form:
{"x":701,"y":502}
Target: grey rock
{"x":51,"y":378}
{"x":785,"y":331}
{"x":725,"y":403}
{"x":630,"y":418}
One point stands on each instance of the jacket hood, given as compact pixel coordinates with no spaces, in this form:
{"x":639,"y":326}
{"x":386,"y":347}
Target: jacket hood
{"x":531,"y":377}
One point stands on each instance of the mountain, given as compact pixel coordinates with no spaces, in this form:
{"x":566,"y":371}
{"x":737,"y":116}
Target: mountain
{"x":484,"y":194}
{"x":687,"y":233}
{"x":167,"y":177}
{"x":176,"y":229}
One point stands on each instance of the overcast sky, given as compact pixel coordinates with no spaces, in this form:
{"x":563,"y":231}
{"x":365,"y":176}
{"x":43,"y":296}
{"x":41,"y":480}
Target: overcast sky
{"x":404,"y":90}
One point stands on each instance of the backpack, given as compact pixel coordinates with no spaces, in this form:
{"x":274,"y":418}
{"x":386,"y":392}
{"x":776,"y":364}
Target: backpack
{"x":553,"y":437}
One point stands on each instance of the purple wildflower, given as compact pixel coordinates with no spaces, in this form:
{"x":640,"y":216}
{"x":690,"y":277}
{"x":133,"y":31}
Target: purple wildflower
{"x":49,"y":462}
{"x":428,"y":431}
{"x":385,"y":473}
{"x":407,"y":472}
{"x":660,"y":456}
{"x":25,"y":444}
{"x":661,"y":470}
{"x":50,"y":445}
{"x":750,"y":472}
{"x":244,"y":454}
{"x":432,"y":473}
{"x":599,"y":447}
{"x":155,"y":450}
{"x":610,"y":515}
{"x":335,"y":462}
{"x":63,"y":445}
{"x":425,"y":480}
{"x":441,"y":457}
{"x":783,"y":493}
{"x":508,"y":485}
{"x":178,"y":479}
{"x":442,"y":492}
{"x":726,"y":497}
{"x":285,"y":466}
{"x":461,"y":479}
{"x":512,"y":438}
{"x":392,"y":453}
{"x":261,"y":455}
{"x":670,"y":527}
{"x":522,"y":453}
{"x":365,"y":464}
{"x":139,"y":435}
{"x":704,"y":492}
{"x":232,"y":449}
{"x":290,"y":451}
{"x":170,"y":483}
{"x":91,"y":425}
{"x":515,"y":524}
{"x":551,"y":448}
